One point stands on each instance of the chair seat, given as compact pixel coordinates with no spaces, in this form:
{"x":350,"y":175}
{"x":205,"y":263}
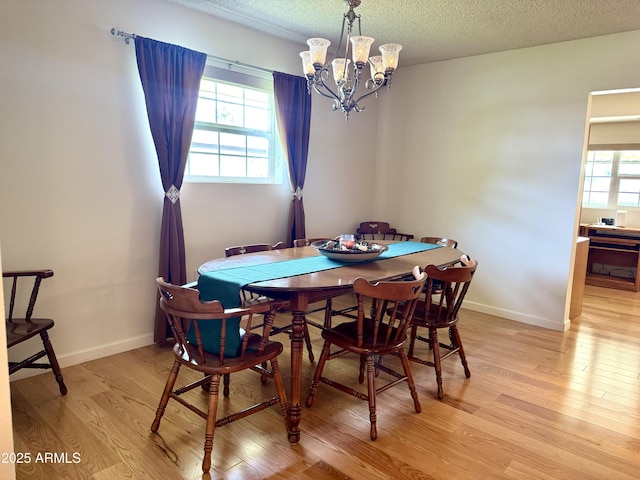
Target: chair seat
{"x":19,"y":330}
{"x":433,"y":319}
{"x":231,"y":364}
{"x":342,"y":335}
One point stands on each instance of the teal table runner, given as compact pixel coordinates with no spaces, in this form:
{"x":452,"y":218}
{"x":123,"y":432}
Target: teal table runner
{"x":225,"y":285}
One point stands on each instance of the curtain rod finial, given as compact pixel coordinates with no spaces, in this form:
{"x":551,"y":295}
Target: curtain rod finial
{"x":126,"y":36}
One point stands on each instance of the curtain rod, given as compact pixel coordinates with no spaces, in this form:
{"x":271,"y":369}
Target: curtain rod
{"x":127,"y":37}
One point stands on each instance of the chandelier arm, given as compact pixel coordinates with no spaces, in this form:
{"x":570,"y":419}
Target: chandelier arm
{"x":375,"y":90}
{"x":319,"y":81}
{"x":331,"y":94}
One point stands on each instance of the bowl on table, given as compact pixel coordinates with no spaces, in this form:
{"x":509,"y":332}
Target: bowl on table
{"x":359,"y":251}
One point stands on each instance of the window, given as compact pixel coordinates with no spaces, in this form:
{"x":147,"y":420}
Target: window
{"x":234,"y":138}
{"x":612,"y":179}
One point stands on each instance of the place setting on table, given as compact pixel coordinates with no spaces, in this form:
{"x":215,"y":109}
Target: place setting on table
{"x":309,"y":274}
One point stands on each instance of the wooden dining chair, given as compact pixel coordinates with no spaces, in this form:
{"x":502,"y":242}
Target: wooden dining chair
{"x":374,"y":230}
{"x":305,"y":242}
{"x":373,"y":336}
{"x":217,"y":342}
{"x":252,"y":248}
{"x":445,"y":242}
{"x":440,"y":310}
{"x":248,"y":296}
{"x":436,"y":286}
{"x":23,"y":328}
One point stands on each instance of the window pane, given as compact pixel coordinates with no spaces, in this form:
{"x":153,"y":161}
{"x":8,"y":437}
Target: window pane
{"x":232,"y":144}
{"x":204,"y":139}
{"x":255,"y":98}
{"x":629,"y":163}
{"x":597,"y":179}
{"x":257,"y":167}
{"x":232,"y":166}
{"x":230,"y":93}
{"x":599,"y":184}
{"x":628,"y":199}
{"x":206,"y":110}
{"x":202,"y":164}
{"x":257,"y":146}
{"x":629,"y":185}
{"x":230,"y":114}
{"x":598,"y":199}
{"x":257,"y":119}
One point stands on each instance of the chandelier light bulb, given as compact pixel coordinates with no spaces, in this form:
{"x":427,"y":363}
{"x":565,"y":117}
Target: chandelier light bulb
{"x":361,"y":46}
{"x":318,"y":50}
{"x":307,"y":65}
{"x":390,"y":55}
{"x":340,"y":70}
{"x":377,"y":68}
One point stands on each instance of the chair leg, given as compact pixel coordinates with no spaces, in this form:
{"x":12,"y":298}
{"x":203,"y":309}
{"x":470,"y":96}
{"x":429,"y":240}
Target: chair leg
{"x":211,"y":422}
{"x":263,"y":376}
{"x":226,"y":381}
{"x":316,"y":377}
{"x":327,"y":314}
{"x":410,"y":382}
{"x":277,"y":378}
{"x":457,"y":342}
{"x":307,"y":340}
{"x":371,"y":395}
{"x":363,"y":365}
{"x":173,"y":375}
{"x":53,"y":361}
{"x":437,"y":363}
{"x":412,"y":338}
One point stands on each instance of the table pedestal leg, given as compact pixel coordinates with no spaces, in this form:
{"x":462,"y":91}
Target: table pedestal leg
{"x":297,"y":339}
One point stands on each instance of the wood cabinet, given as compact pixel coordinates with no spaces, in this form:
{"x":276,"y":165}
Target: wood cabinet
{"x":579,"y":277}
{"x":614,"y":256}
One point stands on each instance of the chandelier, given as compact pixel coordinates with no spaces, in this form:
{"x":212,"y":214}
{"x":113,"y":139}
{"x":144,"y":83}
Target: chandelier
{"x":348,"y":72}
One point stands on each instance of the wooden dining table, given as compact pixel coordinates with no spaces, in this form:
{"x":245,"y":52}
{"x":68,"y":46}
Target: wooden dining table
{"x":303,"y":290}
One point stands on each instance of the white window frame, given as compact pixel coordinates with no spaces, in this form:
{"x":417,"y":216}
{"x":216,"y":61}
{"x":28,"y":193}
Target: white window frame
{"x":275,"y":156}
{"x":615,"y":177}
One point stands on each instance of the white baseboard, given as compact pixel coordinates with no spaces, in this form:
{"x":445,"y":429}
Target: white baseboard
{"x":560,"y":326}
{"x":89,"y":354}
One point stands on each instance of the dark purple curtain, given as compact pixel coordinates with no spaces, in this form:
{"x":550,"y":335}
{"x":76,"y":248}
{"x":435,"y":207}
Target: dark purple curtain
{"x":170,"y":77}
{"x":293,"y":112}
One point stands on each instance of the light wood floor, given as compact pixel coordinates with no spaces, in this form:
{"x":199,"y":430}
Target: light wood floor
{"x":539,"y":405}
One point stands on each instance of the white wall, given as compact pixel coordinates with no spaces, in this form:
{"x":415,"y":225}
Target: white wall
{"x":488,"y":150}
{"x":80,"y":191}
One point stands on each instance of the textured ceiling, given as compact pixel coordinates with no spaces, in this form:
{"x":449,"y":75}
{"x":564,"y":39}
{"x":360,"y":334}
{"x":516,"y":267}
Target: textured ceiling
{"x":432,"y":30}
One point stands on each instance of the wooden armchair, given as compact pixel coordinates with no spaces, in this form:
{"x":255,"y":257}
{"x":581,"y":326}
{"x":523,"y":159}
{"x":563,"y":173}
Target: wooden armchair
{"x":440,"y":309}
{"x":374,"y":336}
{"x":375,"y":230}
{"x":209,"y":340}
{"x":21,"y":329}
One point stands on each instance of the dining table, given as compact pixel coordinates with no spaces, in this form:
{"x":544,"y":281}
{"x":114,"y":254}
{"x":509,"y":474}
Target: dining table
{"x":298,"y":276}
